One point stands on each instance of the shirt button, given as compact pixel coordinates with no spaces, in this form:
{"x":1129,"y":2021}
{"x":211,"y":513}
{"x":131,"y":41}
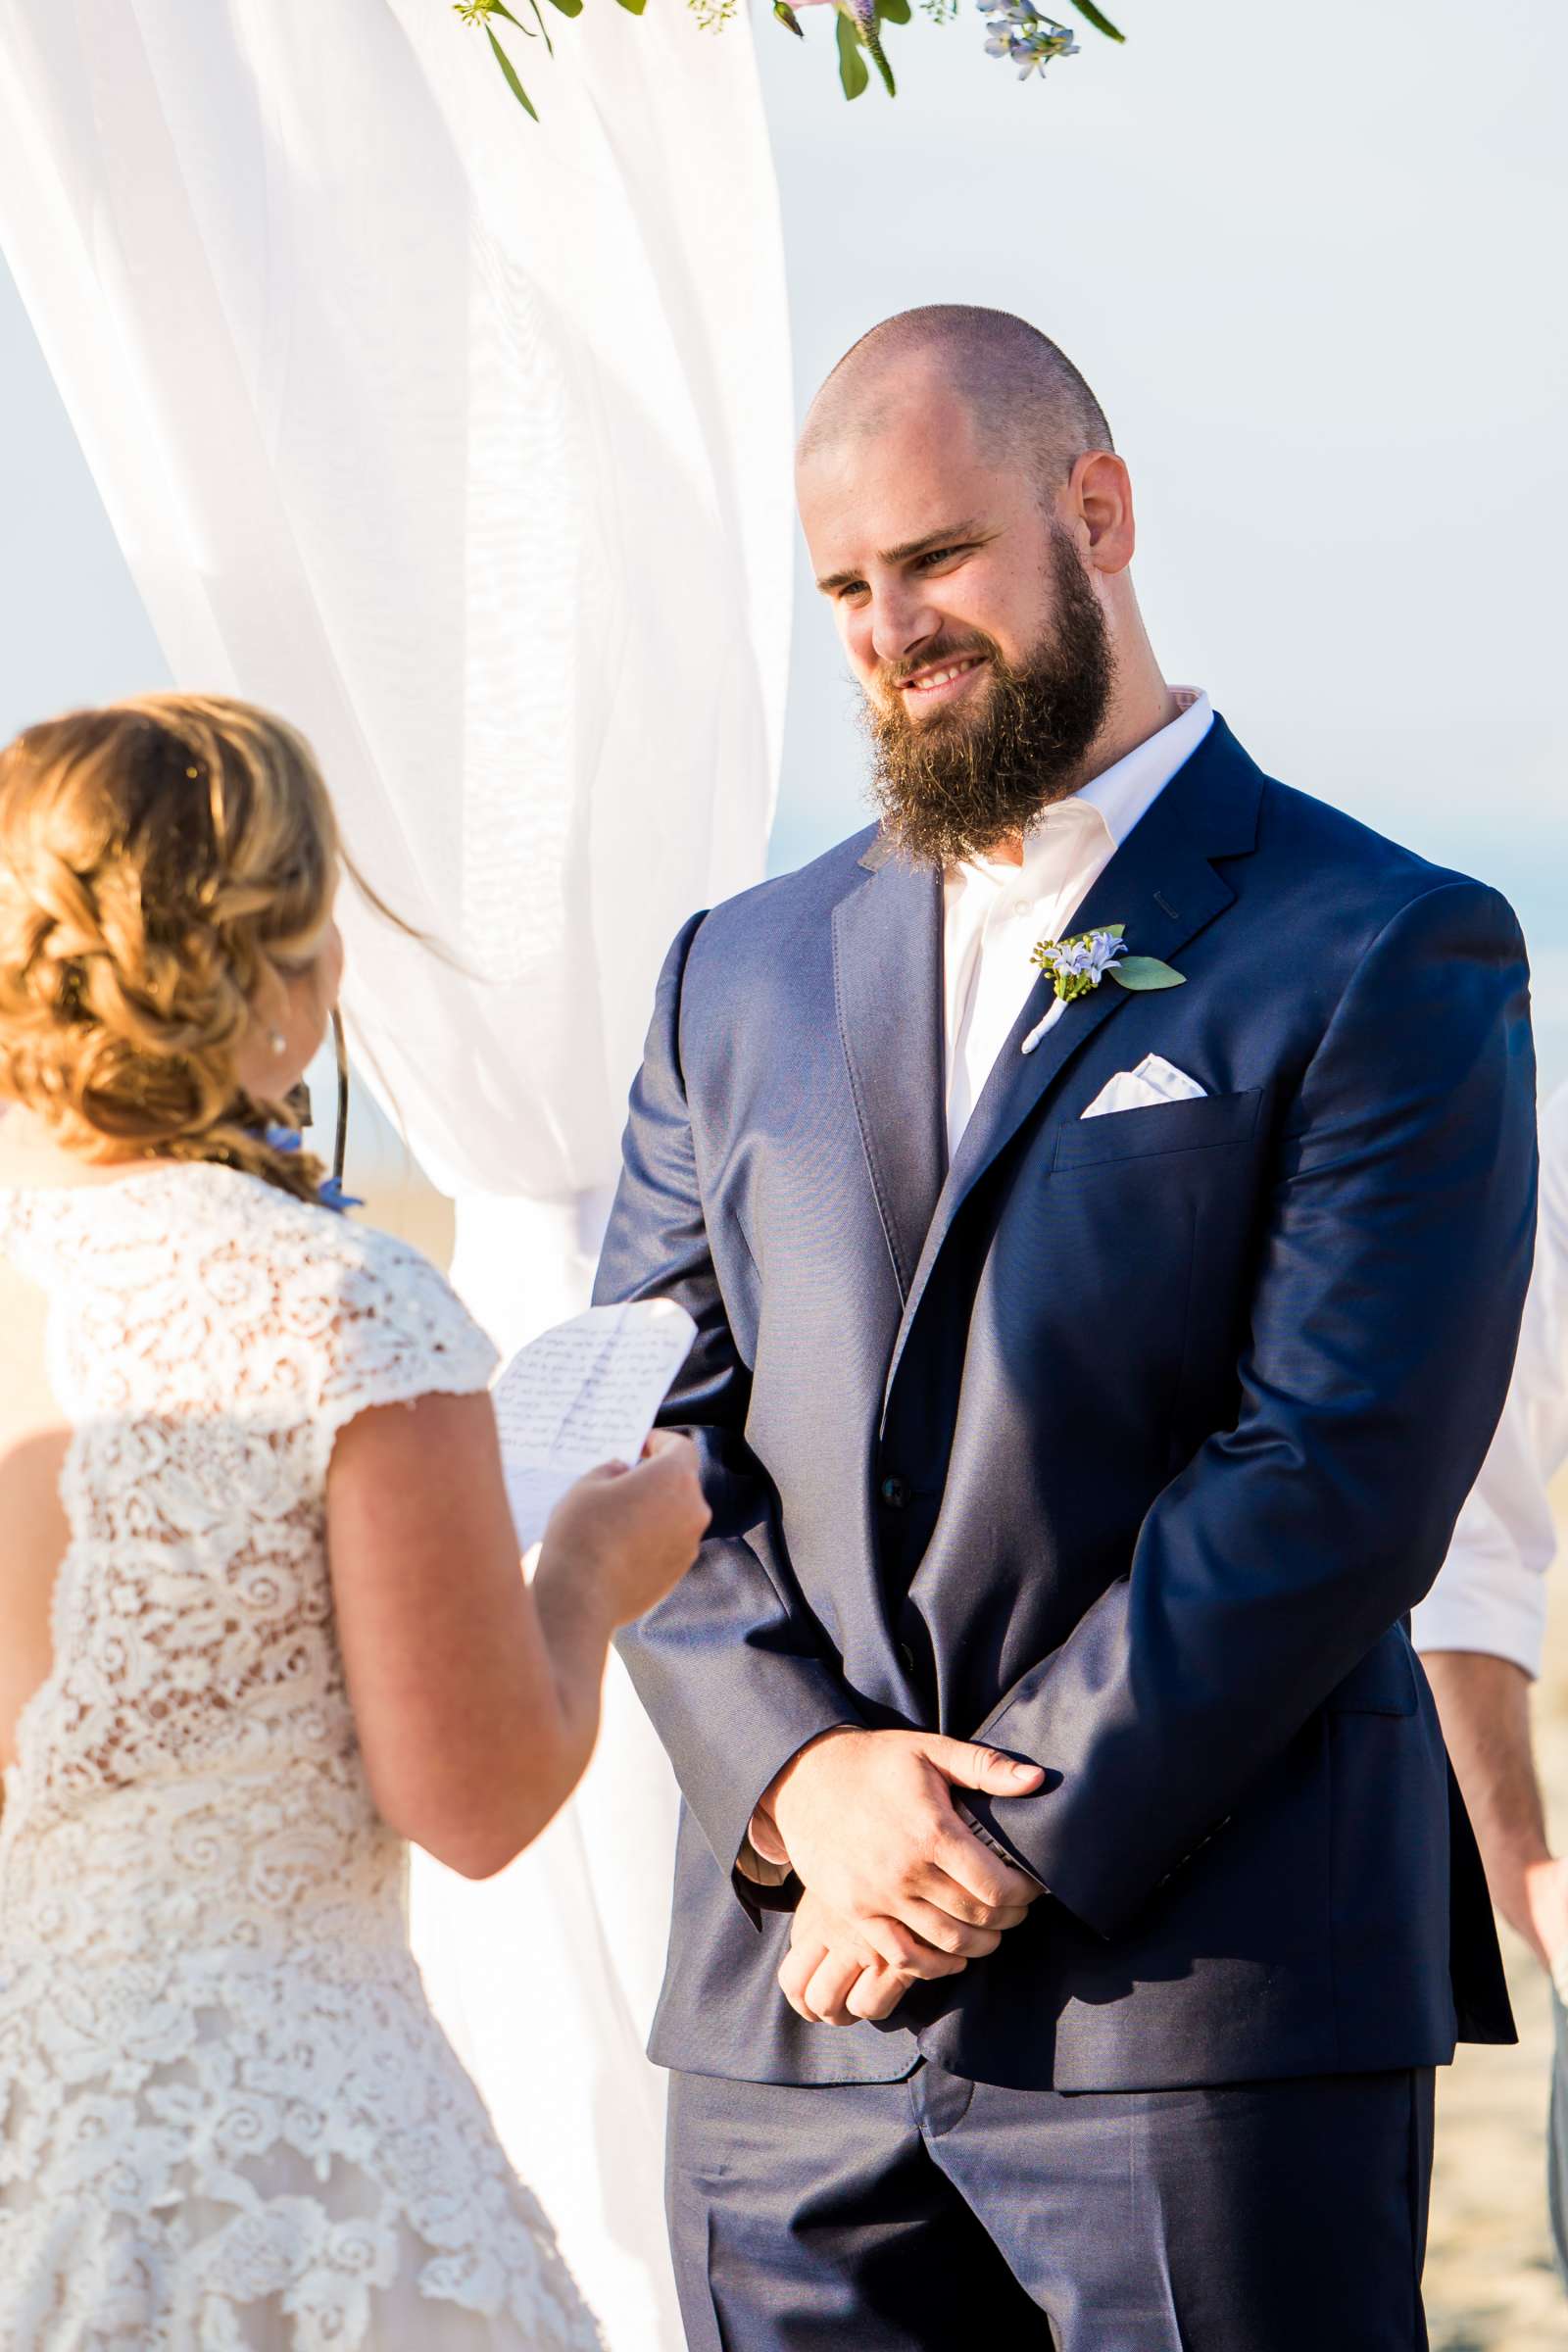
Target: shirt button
{"x":895,"y":1494}
{"x":1021,"y":907}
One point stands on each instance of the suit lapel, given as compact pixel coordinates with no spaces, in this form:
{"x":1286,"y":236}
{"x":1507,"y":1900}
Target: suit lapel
{"x":887,"y":970}
{"x":1161,"y":885}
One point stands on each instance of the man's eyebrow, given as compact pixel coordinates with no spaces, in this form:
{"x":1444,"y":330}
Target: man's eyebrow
{"x":948,"y":537}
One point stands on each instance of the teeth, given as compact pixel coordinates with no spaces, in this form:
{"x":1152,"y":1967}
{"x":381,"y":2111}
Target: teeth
{"x":940,"y":677}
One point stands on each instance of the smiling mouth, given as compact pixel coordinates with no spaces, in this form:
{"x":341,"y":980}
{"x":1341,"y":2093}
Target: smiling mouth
{"x":929,"y":681}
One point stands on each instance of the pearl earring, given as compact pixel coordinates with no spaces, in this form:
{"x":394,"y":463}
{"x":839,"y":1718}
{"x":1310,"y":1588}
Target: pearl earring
{"x":278,"y":1041}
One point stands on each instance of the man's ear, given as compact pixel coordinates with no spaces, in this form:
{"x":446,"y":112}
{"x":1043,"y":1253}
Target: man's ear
{"x":1099,"y":498}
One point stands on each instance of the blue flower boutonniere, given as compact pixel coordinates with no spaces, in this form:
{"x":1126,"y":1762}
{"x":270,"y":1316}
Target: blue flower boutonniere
{"x":1078,"y":965}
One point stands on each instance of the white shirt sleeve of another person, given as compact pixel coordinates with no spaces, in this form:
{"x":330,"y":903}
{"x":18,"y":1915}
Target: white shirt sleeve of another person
{"x":1491,"y":1596}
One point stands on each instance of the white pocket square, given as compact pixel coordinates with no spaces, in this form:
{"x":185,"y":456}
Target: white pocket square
{"x":1155,"y":1080}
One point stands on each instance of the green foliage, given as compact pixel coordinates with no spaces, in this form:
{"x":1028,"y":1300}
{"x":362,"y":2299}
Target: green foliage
{"x":1100,"y":22}
{"x":858,"y":25}
{"x":1147,"y":971}
{"x":851,"y":64}
{"x":511,"y":72}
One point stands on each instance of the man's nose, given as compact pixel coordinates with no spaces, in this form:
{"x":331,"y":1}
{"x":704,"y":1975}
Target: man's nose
{"x":900,"y":622}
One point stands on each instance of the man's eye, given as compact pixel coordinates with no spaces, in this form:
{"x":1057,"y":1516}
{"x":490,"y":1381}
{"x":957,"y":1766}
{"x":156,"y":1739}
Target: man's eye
{"x":940,"y":555}
{"x":849,"y":588}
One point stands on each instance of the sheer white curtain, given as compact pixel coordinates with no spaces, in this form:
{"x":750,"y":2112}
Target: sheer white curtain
{"x":462,"y":440}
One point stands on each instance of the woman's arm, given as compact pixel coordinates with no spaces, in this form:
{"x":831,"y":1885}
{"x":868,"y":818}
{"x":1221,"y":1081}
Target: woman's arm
{"x":476,"y":1697}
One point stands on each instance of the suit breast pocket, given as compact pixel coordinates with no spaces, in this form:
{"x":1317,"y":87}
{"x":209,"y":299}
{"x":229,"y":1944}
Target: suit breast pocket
{"x":1206,"y":1123}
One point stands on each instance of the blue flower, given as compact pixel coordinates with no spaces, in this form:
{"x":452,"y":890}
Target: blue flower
{"x":330,"y":1191}
{"x":331,"y":1195}
{"x":1020,"y":34}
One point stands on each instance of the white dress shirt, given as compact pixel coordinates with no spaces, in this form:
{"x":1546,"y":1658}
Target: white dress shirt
{"x":994,"y":914}
{"x":1492,"y":1594}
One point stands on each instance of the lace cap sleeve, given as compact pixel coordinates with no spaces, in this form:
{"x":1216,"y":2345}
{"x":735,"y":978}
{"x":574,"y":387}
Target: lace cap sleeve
{"x":398,"y":1331}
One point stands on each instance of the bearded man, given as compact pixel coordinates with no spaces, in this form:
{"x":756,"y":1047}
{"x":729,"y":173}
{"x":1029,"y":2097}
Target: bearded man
{"x":1105,"y":1192}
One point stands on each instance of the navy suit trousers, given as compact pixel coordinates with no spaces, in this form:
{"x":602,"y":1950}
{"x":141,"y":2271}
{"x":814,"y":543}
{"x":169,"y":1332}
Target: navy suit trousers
{"x":928,"y":2214}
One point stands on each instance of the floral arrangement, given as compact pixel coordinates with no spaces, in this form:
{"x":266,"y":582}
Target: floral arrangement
{"x":1015,"y":29}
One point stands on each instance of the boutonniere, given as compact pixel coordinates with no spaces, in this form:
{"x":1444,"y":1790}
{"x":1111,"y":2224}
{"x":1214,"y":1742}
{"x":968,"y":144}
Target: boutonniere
{"x":1078,"y":965}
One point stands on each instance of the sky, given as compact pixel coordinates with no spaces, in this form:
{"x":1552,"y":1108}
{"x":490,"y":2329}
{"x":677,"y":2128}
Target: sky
{"x":1308,"y":263}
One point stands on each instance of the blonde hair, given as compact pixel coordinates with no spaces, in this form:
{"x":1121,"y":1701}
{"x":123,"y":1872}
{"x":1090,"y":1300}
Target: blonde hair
{"x":161,"y":861}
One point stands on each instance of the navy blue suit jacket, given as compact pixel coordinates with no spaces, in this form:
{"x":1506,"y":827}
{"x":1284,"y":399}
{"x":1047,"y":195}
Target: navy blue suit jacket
{"x":1126,"y":1444}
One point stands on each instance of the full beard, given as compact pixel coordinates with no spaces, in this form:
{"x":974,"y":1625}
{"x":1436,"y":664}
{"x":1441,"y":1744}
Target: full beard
{"x":955,"y":784}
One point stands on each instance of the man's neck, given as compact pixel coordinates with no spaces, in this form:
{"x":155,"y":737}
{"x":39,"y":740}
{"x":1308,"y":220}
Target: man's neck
{"x":1133,"y":718}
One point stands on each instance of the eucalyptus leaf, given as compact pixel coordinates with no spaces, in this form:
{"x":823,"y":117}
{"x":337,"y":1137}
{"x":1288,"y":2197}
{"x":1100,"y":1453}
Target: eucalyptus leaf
{"x":1145,"y":971}
{"x":1101,"y":23}
{"x":511,"y":72}
{"x":1113,"y":930}
{"x":853,"y":72}
{"x":786,"y":15}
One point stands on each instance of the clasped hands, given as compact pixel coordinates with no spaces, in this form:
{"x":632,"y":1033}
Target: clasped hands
{"x":898,"y":1889}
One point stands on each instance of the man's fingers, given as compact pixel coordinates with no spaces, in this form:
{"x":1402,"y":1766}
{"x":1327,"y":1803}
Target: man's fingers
{"x":948,"y":1934}
{"x":970,"y":1765}
{"x":988,"y":1882}
{"x":799,"y":1966}
{"x":876,"y":1995}
{"x":831,"y":1982}
{"x":902,"y":1950}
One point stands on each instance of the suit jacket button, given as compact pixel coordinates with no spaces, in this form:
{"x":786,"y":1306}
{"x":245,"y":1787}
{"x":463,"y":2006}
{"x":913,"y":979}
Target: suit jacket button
{"x":895,"y":1494}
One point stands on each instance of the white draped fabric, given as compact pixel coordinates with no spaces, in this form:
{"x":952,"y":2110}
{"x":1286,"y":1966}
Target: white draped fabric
{"x":462,"y":440}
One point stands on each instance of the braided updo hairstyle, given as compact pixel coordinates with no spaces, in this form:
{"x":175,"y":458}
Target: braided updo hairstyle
{"x":160,"y":860}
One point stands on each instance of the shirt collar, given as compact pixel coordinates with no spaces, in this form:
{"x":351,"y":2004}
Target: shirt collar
{"x":1111,"y":802}
{"x":1127,"y":791}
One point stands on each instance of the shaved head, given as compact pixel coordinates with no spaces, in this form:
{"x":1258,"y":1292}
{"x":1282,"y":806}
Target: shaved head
{"x":1023,"y":394}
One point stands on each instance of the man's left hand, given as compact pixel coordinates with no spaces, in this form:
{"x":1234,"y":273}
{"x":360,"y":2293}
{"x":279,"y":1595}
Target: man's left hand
{"x":840,"y":1972}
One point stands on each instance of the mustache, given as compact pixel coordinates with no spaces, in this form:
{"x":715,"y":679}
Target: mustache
{"x":891,"y":675}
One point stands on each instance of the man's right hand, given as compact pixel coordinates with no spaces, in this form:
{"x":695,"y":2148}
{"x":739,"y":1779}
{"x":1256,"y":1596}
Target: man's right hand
{"x":868,"y":1825}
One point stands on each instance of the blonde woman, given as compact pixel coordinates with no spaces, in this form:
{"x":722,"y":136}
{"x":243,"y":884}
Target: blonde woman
{"x":262,"y":1618}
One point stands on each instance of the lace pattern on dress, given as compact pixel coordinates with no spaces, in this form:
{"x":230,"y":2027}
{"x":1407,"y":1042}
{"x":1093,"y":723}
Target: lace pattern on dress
{"x":227,"y":2115}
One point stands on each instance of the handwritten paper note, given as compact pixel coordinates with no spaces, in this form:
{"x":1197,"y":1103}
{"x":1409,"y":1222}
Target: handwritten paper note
{"x":584,"y":1393}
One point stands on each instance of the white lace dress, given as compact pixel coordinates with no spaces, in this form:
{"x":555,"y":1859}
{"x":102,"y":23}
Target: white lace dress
{"x":228,"y":2118}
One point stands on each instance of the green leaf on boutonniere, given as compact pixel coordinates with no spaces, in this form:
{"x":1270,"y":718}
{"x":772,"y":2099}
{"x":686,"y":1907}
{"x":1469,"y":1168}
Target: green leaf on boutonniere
{"x":853,"y":72}
{"x":568,"y":7}
{"x":634,"y":8}
{"x":786,"y":15}
{"x":1145,"y":971}
{"x":496,"y":8}
{"x":893,"y":11}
